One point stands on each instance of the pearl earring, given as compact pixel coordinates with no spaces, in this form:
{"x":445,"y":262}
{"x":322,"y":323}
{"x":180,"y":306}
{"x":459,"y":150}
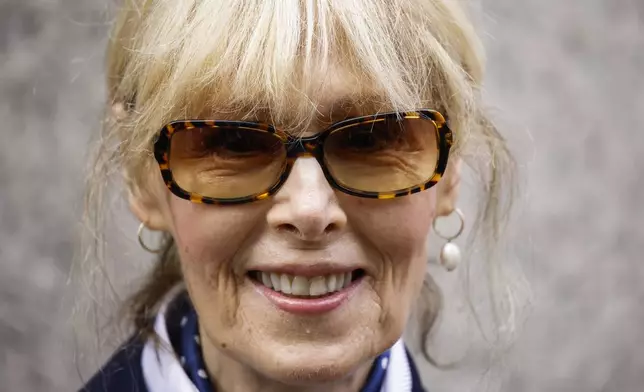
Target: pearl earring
{"x":450,"y":256}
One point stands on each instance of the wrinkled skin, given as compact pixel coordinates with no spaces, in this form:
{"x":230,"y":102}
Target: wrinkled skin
{"x":251,"y":345}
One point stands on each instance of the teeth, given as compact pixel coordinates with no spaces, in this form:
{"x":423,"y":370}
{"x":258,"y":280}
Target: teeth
{"x":266,"y":279}
{"x":331,"y":282}
{"x":285,"y":284}
{"x":318,"y":286}
{"x":300,"y":286}
{"x":339,"y":282}
{"x":303,"y":286}
{"x":275,"y":280}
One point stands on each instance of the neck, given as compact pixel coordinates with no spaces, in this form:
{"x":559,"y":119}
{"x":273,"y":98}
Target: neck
{"x":229,"y":375}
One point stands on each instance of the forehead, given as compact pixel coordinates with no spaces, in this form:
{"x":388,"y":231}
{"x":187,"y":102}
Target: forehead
{"x":340,"y":90}
{"x":334,"y":96}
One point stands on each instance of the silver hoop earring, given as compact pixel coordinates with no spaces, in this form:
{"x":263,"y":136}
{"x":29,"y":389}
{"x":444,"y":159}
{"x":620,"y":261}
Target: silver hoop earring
{"x":143,"y":245}
{"x":450,"y":256}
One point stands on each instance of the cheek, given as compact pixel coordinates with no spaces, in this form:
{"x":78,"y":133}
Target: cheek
{"x":397,"y":231}
{"x":207,"y":234}
{"x":209,"y":240}
{"x":397,"y":228}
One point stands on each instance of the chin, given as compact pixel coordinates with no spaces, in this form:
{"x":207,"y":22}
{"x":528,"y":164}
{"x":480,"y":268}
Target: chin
{"x":309,"y":367}
{"x":321,"y":361}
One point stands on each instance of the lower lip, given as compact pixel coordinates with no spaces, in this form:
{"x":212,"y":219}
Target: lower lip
{"x":308,"y":305}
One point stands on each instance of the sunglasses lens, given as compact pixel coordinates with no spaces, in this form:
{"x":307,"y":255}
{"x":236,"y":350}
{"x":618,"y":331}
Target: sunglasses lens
{"x":383,"y":155}
{"x":226,"y":162}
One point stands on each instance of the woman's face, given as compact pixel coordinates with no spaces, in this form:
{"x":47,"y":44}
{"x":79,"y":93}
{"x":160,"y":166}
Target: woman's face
{"x":306,"y":233}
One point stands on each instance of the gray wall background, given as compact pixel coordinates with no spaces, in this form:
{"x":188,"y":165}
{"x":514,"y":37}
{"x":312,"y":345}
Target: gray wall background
{"x":568,"y":77}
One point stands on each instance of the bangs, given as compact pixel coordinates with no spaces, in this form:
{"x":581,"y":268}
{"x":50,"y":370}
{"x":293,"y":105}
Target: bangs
{"x":282,"y":58}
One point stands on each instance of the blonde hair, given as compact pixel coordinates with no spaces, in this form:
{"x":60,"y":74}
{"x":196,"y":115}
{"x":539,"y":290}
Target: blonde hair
{"x":170,"y":59}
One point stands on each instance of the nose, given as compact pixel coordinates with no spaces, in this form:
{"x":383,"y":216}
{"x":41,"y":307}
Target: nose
{"x":306,"y":207}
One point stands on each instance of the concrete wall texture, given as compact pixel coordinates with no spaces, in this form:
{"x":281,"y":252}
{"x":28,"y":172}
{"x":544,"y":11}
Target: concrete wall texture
{"x":568,"y":79}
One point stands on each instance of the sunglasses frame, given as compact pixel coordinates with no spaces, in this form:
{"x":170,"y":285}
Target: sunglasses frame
{"x":301,"y":147}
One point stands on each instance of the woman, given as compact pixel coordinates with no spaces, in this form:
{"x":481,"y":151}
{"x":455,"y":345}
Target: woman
{"x":295,"y":153}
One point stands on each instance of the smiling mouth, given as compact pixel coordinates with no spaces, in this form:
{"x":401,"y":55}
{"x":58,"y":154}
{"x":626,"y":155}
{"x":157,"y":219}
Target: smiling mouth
{"x":306,"y":287}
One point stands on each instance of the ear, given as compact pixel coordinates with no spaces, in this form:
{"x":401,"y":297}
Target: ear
{"x":148,"y":209}
{"x":148,"y":201}
{"x":146,"y":204}
{"x":448,"y":188}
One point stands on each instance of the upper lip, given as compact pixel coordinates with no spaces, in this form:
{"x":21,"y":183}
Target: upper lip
{"x":308,"y":270}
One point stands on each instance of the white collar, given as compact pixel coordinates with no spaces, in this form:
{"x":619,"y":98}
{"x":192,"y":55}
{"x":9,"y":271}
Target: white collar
{"x":398,"y":376}
{"x":163,"y":371}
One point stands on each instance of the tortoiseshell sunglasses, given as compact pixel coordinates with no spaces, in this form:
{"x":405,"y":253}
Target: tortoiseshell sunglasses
{"x":381,"y":156}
